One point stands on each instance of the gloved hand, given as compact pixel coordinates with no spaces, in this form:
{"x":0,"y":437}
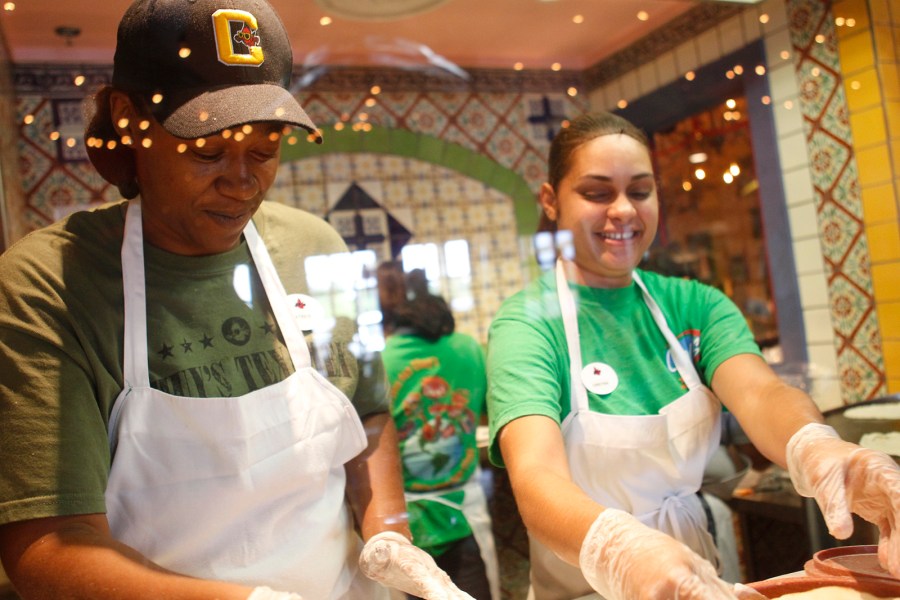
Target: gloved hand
{"x":844,"y":477}
{"x":624,"y":559}
{"x":392,"y":560}
{"x":745,"y":592}
{"x":264,"y":593}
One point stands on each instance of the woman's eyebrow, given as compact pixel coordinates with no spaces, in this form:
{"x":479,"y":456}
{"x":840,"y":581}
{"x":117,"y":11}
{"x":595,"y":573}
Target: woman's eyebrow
{"x":606,"y":178}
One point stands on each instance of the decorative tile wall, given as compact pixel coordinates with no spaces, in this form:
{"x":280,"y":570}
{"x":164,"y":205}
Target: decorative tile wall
{"x":830,"y":205}
{"x":868,"y":53}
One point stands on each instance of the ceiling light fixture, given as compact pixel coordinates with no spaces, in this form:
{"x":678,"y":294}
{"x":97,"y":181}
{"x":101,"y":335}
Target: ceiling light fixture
{"x":68,"y":33}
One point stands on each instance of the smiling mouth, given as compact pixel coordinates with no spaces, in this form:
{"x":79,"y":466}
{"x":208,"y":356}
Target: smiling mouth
{"x":619,"y":236}
{"x":226,"y":218}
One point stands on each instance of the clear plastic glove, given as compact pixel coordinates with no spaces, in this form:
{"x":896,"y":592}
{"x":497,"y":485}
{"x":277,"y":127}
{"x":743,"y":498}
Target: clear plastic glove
{"x":264,"y":593}
{"x":845,"y":478}
{"x":624,"y":559}
{"x":392,"y":560}
{"x":745,"y":592}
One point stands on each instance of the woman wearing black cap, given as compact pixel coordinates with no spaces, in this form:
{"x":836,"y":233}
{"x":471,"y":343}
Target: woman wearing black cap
{"x":166,"y":430}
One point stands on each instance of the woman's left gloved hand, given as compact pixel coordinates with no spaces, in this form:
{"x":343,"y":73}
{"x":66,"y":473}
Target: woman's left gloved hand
{"x":845,"y":478}
{"x":391,"y":559}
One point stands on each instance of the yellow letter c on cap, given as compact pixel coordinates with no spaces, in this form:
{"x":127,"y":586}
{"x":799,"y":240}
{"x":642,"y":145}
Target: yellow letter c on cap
{"x":221,"y":24}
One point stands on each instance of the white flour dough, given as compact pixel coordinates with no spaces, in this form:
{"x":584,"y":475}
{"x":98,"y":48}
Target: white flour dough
{"x":887,"y":410}
{"x":887,"y":442}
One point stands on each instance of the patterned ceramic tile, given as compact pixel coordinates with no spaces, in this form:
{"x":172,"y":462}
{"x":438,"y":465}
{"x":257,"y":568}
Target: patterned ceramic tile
{"x":398,"y":103}
{"x":427,"y":118}
{"x":336,"y":167}
{"x":365,"y":166}
{"x":848,"y":307}
{"x":33,"y":165}
{"x":836,"y":230}
{"x":38,"y":133}
{"x":533,"y":169}
{"x":817,"y":86}
{"x":867,"y":341}
{"x":827,"y":157}
{"x":450,"y":103}
{"x":837,"y":197}
{"x":805,"y":20}
{"x":456,"y":135}
{"x":321,"y":113}
{"x":58,"y":191}
{"x":476,"y":120}
{"x":857,"y":267}
{"x":505,"y":147}
{"x":847,"y":192}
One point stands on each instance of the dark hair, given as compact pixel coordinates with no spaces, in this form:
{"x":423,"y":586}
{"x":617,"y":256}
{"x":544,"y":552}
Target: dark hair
{"x":406,"y":302}
{"x":580,"y":130}
{"x":583,"y":129}
{"x":391,"y":292}
{"x":427,"y":315}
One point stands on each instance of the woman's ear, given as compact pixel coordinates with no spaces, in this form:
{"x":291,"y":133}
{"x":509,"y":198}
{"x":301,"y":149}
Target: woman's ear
{"x":549,"y":202}
{"x":124,"y":116}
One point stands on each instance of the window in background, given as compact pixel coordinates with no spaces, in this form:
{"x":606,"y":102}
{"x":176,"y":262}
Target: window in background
{"x":448,"y":268}
{"x":710,"y":222}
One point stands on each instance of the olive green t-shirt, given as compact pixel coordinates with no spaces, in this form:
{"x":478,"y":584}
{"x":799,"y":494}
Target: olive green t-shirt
{"x":211,"y":333}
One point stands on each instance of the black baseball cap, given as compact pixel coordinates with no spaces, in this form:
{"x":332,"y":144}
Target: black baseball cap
{"x":201,"y":66}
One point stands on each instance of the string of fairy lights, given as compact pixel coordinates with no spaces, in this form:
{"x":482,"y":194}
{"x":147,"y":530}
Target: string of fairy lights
{"x":361,"y":122}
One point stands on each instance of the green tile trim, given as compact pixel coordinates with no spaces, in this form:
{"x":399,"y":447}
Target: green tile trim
{"x":402,"y":142}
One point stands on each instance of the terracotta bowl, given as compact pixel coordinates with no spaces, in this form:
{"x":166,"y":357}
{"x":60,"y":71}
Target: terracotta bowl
{"x":773,"y":588}
{"x":854,"y":567}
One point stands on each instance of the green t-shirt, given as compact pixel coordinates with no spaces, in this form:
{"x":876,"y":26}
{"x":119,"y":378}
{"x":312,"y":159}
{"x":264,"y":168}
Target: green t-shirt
{"x":211,"y":332}
{"x":528,"y":362}
{"x":437,"y":394}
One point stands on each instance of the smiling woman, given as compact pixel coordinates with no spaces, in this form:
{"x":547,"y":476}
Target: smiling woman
{"x":607,"y":385}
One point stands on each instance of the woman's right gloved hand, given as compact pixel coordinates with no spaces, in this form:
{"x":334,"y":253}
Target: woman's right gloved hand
{"x":264,"y":593}
{"x":392,"y":560}
{"x":624,"y":559}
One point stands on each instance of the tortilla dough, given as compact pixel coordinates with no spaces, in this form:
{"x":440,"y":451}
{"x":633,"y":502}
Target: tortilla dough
{"x":831,"y":592}
{"x":887,"y":442}
{"x":889,"y":410}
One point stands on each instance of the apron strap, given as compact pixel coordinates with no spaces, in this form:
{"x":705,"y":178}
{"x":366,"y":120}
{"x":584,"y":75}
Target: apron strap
{"x":293,"y":337}
{"x":136,"y":367}
{"x":579,"y":397}
{"x":682,"y":359}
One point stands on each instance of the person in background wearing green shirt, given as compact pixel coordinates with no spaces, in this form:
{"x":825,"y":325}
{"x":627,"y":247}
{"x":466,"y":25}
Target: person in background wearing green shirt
{"x":437,"y":389}
{"x":606,"y":386}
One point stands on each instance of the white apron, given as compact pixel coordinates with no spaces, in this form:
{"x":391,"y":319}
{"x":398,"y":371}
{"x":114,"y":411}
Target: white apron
{"x":247,"y":489}
{"x":648,"y":465}
{"x":474,"y":508}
